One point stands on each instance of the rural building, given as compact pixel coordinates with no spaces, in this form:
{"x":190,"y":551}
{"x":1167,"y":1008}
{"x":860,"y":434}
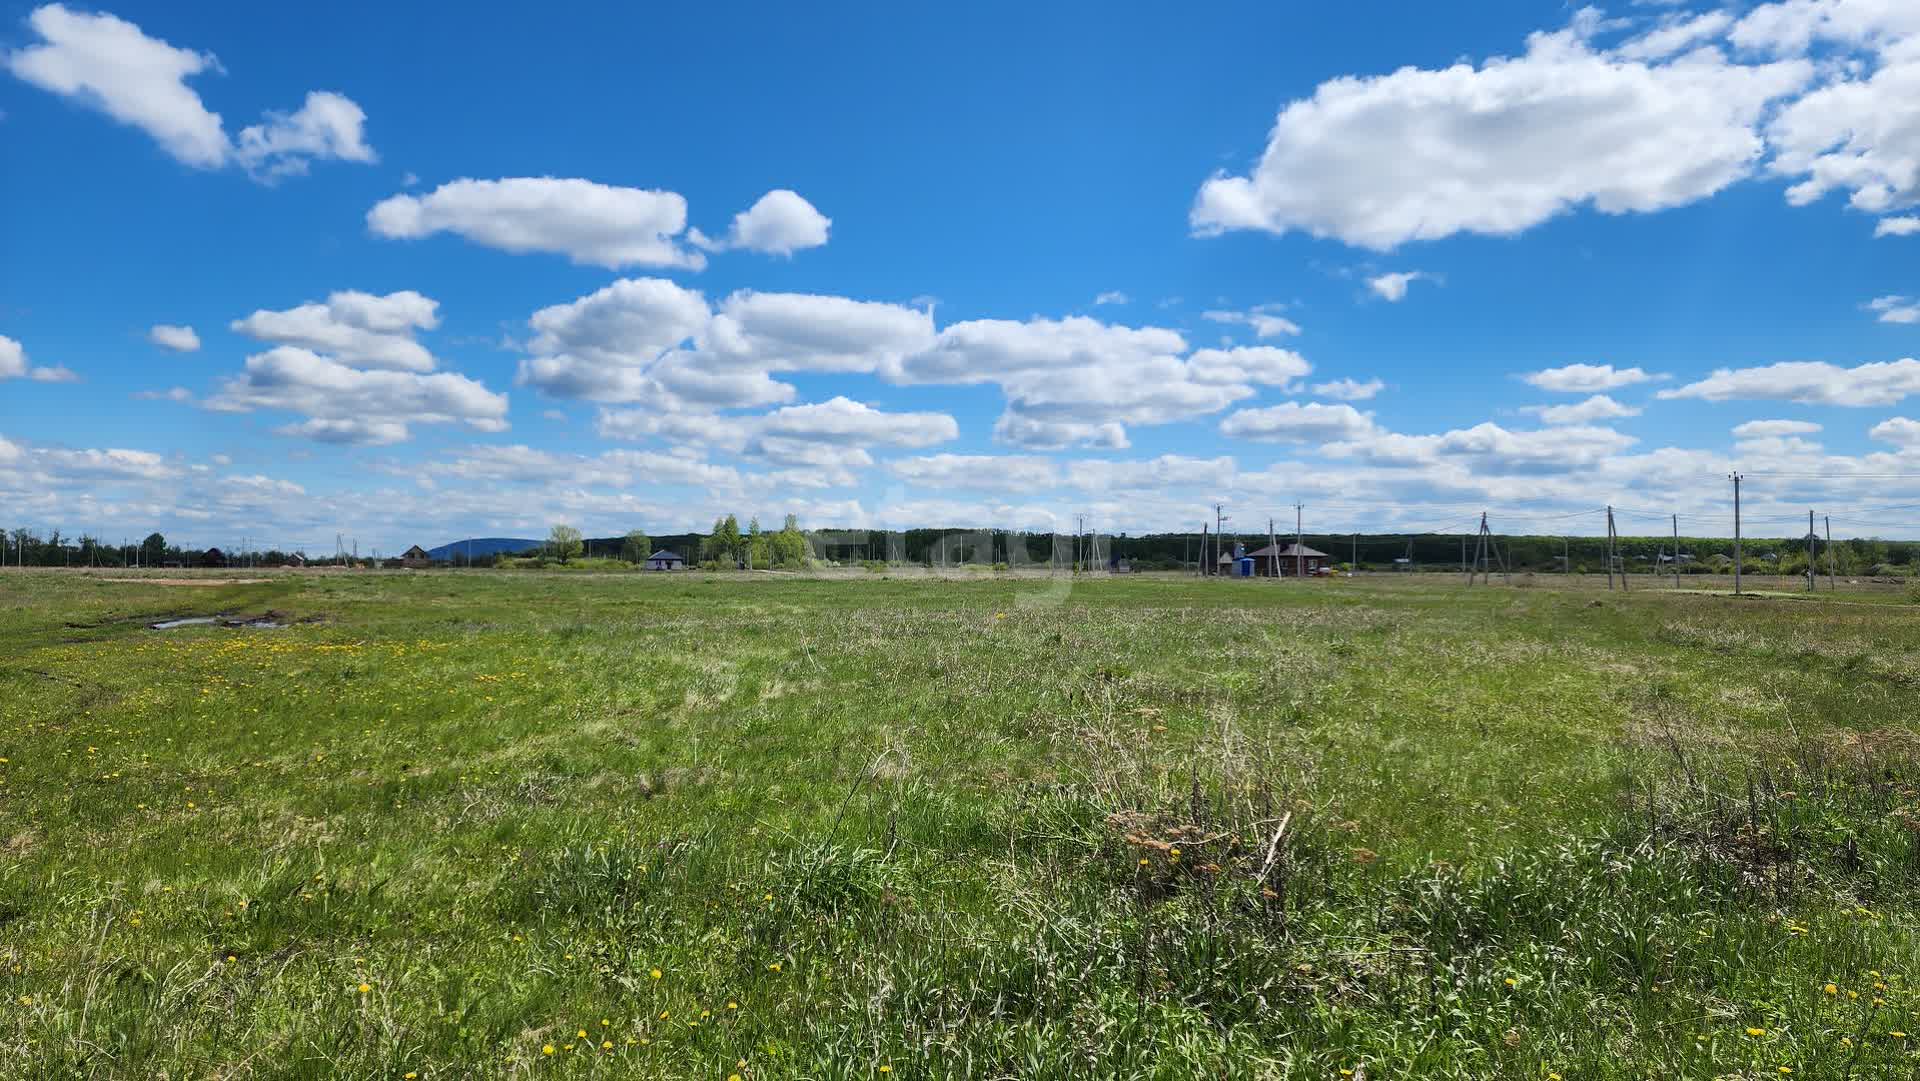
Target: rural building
{"x":296,"y":560}
{"x":416,"y":556}
{"x":213,"y":557}
{"x":1289,"y":560}
{"x":664,"y":560}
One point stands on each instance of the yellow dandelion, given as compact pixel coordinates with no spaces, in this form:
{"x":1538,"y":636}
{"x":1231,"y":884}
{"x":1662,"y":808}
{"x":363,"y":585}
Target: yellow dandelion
{"x":582,"y":1034}
{"x":410,"y":1075}
{"x":775,"y":966}
{"x":1831,"y":989}
{"x":884,"y":1068}
{"x":1511,"y":982}
{"x":733,"y":1005}
{"x":606,"y":1045}
{"x":547,"y":1050}
{"x":365,"y":987}
{"x":1897,"y":1034}
{"x":1786,"y":1069}
{"x":656,"y":973}
{"x":1756,"y":1032}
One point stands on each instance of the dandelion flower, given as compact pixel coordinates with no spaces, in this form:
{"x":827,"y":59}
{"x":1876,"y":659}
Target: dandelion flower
{"x":547,"y":1050}
{"x":775,"y":966}
{"x":1831,"y":989}
{"x":1786,"y":1069}
{"x":582,"y":1034}
{"x":1897,"y":1034}
{"x":1756,"y":1032}
{"x":1511,"y":982}
{"x":365,"y":987}
{"x":885,"y":1068}
{"x":656,"y":973}
{"x":733,"y":1005}
{"x":606,"y":1045}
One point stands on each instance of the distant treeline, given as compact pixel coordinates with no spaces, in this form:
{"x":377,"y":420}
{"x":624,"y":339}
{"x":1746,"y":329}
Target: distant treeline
{"x":1172,"y":551}
{"x":1154,"y":551}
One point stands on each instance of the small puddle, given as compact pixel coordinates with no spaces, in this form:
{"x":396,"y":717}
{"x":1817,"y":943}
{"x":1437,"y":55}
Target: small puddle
{"x":263,"y":623}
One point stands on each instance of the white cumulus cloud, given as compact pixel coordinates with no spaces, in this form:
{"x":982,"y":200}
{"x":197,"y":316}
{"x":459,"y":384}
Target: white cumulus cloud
{"x":109,"y":64}
{"x":1598,"y":407}
{"x":1895,"y":309}
{"x":1349,"y":390}
{"x":1773,"y":429}
{"x":178,"y":339}
{"x":14,"y":365}
{"x":356,"y":328}
{"x":1587,"y":378}
{"x":1377,"y":161}
{"x":591,"y":224}
{"x":1294,"y":422}
{"x":1811,"y":382}
{"x":1392,"y":287}
{"x":778,"y":223}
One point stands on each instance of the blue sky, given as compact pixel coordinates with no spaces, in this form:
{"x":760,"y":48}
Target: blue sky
{"x":984,"y":266}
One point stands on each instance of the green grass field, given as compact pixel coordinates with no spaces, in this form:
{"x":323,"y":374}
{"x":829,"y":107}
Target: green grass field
{"x":558,"y":825}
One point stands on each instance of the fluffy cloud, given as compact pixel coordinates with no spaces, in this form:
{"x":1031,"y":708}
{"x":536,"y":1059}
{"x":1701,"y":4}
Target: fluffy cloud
{"x":328,"y":127}
{"x":1035,"y":433}
{"x":1349,"y":390}
{"x":1587,"y":378}
{"x":1173,"y":472}
{"x":356,"y":328}
{"x":350,"y":405}
{"x":809,"y":332}
{"x":1392,"y":287}
{"x":841,"y":420}
{"x":1899,"y":431}
{"x":1263,"y":318}
{"x":1113,"y":296}
{"x":1812,"y":382}
{"x":178,"y":339}
{"x":1293,"y":422}
{"x":1773,"y":429}
{"x":109,"y":64}
{"x":591,"y":224}
{"x":1079,"y":381}
{"x":649,"y":341}
{"x":779,"y":223}
{"x":1598,"y":407}
{"x":14,"y":365}
{"x":1896,"y":309}
{"x":982,"y":472}
{"x":1490,"y":448}
{"x":1903,"y":226}
{"x":1498,"y":148}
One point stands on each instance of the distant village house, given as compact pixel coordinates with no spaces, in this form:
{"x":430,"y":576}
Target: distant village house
{"x":416,"y":557}
{"x":664,"y":560}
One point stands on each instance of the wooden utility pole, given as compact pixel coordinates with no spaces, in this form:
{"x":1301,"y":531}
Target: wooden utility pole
{"x":1833,"y":586}
{"x":1676,"y":551}
{"x":1273,"y":550}
{"x":1299,"y":543}
{"x":1609,"y":549}
{"x":1613,"y":550}
{"x":1736,"y":534}
{"x":1810,"y":569}
{"x":1353,"y":557}
{"x":1202,"y":568}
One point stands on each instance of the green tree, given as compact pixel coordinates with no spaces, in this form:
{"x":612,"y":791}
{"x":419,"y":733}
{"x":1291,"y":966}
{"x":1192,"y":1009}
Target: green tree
{"x":636,"y":547}
{"x":564,"y":542}
{"x":153,"y":550}
{"x":789,"y":546}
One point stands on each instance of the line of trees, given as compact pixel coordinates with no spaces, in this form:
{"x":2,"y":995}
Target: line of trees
{"x":24,"y":547}
{"x":756,"y":547}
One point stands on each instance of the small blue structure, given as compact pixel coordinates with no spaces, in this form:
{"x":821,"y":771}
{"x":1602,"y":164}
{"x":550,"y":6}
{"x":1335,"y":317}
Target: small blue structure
{"x":1243,"y":567}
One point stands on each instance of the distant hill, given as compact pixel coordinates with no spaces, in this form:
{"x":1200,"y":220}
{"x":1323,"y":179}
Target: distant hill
{"x":481,"y":547}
